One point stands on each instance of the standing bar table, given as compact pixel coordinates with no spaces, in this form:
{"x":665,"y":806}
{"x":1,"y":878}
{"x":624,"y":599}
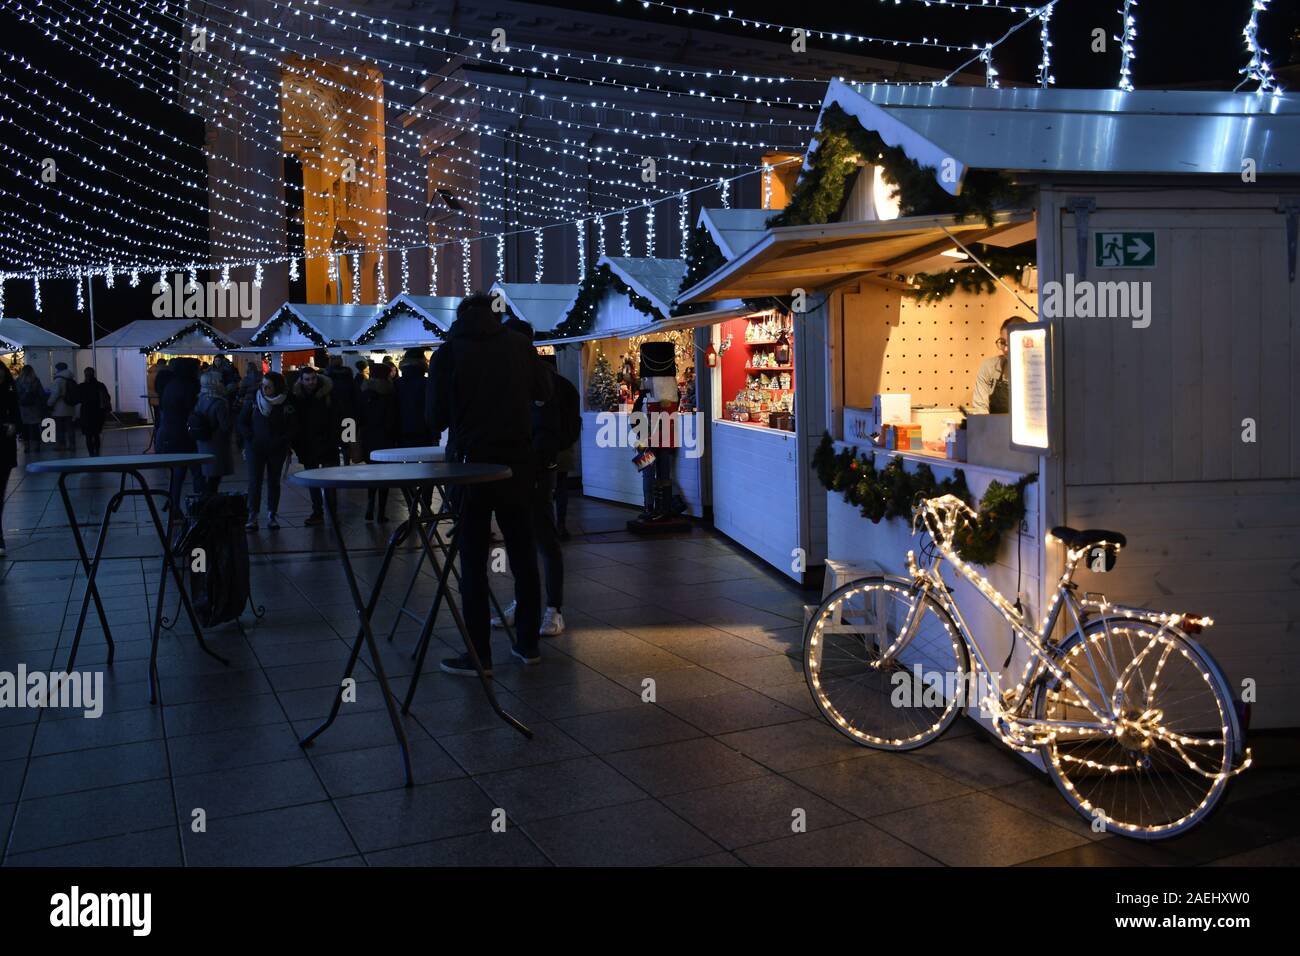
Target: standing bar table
{"x":427,"y":454}
{"x":125,"y":466}
{"x":410,"y":478}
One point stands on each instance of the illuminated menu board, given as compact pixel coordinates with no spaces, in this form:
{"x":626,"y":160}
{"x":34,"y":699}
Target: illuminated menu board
{"x":1030,"y":366}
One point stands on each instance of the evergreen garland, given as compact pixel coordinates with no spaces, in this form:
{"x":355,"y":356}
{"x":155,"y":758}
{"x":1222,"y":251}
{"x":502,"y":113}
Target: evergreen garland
{"x":593,"y":288}
{"x":400,"y":308}
{"x":1005,"y":263}
{"x":703,"y":258}
{"x":890,"y":492}
{"x":202,"y":328}
{"x":822,"y":190}
{"x":286,"y":315}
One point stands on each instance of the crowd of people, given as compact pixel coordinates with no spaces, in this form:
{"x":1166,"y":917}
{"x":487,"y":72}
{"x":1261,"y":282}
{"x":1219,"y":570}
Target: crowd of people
{"x":486,"y":387}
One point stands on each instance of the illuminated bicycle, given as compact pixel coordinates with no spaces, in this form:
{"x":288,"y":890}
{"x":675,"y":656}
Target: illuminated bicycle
{"x":1133,"y":719}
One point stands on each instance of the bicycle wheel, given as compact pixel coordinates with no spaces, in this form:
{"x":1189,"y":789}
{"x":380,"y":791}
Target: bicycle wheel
{"x":1163,"y":759}
{"x":908,"y":700}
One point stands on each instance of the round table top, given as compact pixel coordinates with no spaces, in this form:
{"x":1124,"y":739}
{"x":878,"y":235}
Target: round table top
{"x":117,"y":463}
{"x":424,"y":453}
{"x":400,"y":475}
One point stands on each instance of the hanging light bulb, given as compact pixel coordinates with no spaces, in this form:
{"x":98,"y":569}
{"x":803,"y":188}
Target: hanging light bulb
{"x":1127,"y":43}
{"x":257,"y":276}
{"x":650,"y":231}
{"x":501,"y":257}
{"x":193,"y":282}
{"x":135,"y":278}
{"x":725,"y":186}
{"x":109,"y":278}
{"x":625,"y":240}
{"x":682,"y":212}
{"x":81,"y":293}
{"x":433,"y":270}
{"x":293,"y":269}
{"x":582,"y":249}
{"x":381,"y":290}
{"x":600,"y":236}
{"x":356,"y":278}
{"x":36,"y":291}
{"x":225,"y":275}
{"x":406,"y":273}
{"x":538,"y":253}
{"x":465,"y":264}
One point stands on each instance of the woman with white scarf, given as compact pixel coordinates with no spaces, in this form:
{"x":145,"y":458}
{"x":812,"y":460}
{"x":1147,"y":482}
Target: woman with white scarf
{"x":267,"y":424}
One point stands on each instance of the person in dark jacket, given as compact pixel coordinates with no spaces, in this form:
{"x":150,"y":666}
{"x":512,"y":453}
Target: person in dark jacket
{"x":380,"y":428}
{"x":177,"y":398}
{"x":92,"y":410}
{"x":31,"y":408}
{"x":316,"y":440}
{"x":244,"y":396}
{"x":411,"y":400}
{"x":10,"y":422}
{"x":546,"y":446}
{"x":344,"y":396}
{"x":485,"y":381}
{"x":214,"y":409}
{"x":267,"y":423}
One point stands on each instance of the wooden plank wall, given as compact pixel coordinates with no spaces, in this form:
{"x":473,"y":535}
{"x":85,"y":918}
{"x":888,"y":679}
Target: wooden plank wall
{"x":1153,"y":443}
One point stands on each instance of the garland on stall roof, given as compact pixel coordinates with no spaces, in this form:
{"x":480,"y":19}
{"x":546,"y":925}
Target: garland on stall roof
{"x":264,"y":336}
{"x":592,"y":289}
{"x":842,"y":143}
{"x":400,"y":308}
{"x":201,"y":327}
{"x":890,"y":492}
{"x":703,"y":258}
{"x":1005,"y":263}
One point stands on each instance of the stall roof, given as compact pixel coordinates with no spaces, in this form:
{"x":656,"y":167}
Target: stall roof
{"x":438,"y":309}
{"x":382,"y":333}
{"x":541,"y":304}
{"x":735,"y":230}
{"x":147,"y":334}
{"x":657,"y":279}
{"x":18,"y":334}
{"x":336,"y":324}
{"x":820,"y":257}
{"x":1168,"y":132}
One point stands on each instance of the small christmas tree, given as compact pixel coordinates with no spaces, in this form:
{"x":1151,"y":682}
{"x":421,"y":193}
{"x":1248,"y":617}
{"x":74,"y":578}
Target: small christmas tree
{"x":602,"y":391}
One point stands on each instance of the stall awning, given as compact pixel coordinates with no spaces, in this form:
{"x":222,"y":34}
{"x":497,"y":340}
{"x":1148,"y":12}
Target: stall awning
{"x":818,"y":258}
{"x":317,"y":325}
{"x":543,"y":305}
{"x":695,"y":320}
{"x":19,"y":334}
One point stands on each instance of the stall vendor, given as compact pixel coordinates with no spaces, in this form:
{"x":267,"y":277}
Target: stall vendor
{"x":992,"y":386}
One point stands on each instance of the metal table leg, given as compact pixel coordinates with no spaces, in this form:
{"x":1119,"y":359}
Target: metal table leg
{"x":168,"y":565}
{"x":91,"y":568}
{"x":366,"y":635}
{"x":460,"y":626}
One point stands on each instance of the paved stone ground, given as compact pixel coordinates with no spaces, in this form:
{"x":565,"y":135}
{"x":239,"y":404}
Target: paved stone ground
{"x":709,"y":774}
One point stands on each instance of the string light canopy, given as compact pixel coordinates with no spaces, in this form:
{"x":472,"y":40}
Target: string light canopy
{"x":1257,"y":70}
{"x":1127,"y":43}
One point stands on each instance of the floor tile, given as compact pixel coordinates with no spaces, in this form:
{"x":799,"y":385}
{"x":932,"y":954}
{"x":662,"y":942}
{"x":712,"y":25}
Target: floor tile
{"x":633,"y":834}
{"x":684,"y":765}
{"x":556,"y":789}
{"x":754,"y":810}
{"x":284,"y":837}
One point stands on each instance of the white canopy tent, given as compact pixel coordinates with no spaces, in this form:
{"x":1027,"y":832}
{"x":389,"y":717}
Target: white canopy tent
{"x":38,"y":348}
{"x":123,"y":360}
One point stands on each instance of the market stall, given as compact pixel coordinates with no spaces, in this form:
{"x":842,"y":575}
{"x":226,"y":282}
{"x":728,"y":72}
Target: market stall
{"x":763,"y":358}
{"x":22,"y":343}
{"x":392,"y":330}
{"x":126,"y":355}
{"x":608,"y":318}
{"x":1157,"y":393}
{"x":296,"y":331}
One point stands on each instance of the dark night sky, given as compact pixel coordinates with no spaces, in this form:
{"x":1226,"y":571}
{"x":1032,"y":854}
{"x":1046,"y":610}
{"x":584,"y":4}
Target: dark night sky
{"x":1180,"y":43}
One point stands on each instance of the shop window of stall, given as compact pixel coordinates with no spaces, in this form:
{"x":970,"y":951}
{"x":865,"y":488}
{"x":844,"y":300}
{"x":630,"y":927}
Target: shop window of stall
{"x":756,"y":363}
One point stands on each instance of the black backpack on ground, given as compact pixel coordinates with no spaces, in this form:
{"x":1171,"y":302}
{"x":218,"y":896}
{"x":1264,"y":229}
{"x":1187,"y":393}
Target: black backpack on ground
{"x":215,"y":523}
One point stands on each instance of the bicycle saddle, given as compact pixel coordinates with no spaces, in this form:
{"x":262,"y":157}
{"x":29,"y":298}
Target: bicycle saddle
{"x":1089,"y":536}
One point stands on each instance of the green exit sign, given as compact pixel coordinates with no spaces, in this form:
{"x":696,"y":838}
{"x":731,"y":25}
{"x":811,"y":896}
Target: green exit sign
{"x":1124,"y":250}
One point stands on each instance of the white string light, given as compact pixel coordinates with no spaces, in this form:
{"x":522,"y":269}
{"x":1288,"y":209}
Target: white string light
{"x":990,"y":74}
{"x":465,"y":265}
{"x":381,"y":290}
{"x":433,"y":270}
{"x":293,"y":269}
{"x":600,"y":236}
{"x":1258,"y":69}
{"x":109,"y":278}
{"x":406,"y":275}
{"x":725,"y":186}
{"x":1127,"y":44}
{"x":683,"y":211}
{"x":356,"y":278}
{"x":1045,"y":77}
{"x":257,"y":276}
{"x":81,"y":293}
{"x":135,"y":278}
{"x":539,"y":252}
{"x":650,"y":232}
{"x":36,"y":292}
{"x":625,"y":240}
{"x":582,"y":250}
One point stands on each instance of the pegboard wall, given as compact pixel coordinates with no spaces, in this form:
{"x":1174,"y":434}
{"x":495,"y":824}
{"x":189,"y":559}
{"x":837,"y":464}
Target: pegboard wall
{"x":930,"y":350}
